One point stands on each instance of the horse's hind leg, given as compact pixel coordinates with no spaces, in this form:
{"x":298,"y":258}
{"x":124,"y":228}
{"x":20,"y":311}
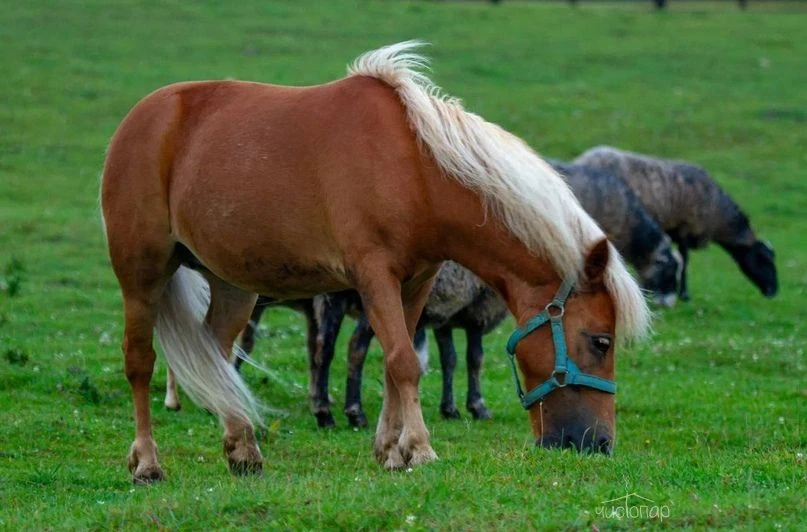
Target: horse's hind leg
{"x":142,"y":276}
{"x":474,"y":355}
{"x":171,"y":401}
{"x":229,"y":311}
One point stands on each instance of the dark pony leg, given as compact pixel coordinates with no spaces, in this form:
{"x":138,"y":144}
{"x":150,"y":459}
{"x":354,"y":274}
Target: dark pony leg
{"x":448,"y":363}
{"x":329,"y":311}
{"x":475,"y":403}
{"x":357,"y":353}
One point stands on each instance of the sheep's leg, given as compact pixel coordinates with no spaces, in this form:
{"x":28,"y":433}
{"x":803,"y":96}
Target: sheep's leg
{"x":683,"y":291}
{"x":475,"y":403}
{"x":357,"y":353}
{"x":448,"y":363}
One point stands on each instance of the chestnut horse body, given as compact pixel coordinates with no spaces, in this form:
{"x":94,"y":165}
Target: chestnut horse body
{"x":368,"y":182}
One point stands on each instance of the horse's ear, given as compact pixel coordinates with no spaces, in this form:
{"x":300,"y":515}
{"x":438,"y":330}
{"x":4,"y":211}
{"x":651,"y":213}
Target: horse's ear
{"x":597,"y":261}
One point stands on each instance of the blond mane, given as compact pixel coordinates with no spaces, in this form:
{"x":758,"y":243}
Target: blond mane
{"x":519,"y":187}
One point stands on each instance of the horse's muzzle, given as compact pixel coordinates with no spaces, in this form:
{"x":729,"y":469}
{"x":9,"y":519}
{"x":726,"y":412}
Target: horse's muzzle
{"x":583,"y":440}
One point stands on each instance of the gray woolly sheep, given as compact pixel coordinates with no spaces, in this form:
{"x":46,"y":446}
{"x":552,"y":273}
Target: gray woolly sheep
{"x":692,"y":209}
{"x":632,"y":230}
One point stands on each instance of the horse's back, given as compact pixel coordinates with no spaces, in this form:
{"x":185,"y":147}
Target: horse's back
{"x":229,"y":159}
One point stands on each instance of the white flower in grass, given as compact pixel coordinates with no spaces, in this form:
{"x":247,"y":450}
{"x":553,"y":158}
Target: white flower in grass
{"x":410,"y":519}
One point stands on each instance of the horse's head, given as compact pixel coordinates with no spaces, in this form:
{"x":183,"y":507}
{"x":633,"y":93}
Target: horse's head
{"x":663,"y":273}
{"x":570,"y":381}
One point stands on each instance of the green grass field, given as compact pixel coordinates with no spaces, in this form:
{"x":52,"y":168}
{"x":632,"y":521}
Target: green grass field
{"x":711,"y":411}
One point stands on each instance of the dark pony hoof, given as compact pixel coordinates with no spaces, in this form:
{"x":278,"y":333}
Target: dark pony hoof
{"x":449,"y":412}
{"x":684,"y":296}
{"x":325,"y":420}
{"x":479,"y":411}
{"x":357,"y":419}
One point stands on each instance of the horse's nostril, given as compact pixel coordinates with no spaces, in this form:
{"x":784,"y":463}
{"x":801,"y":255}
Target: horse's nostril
{"x":584,"y":442}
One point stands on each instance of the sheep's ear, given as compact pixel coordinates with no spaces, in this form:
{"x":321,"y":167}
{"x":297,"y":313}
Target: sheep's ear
{"x":596,"y":262}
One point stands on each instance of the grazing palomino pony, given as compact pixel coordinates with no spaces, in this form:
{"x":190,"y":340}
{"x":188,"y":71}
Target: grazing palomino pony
{"x":368,"y":182}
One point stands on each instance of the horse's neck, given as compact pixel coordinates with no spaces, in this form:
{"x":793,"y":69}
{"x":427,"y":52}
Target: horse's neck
{"x":524,"y":281}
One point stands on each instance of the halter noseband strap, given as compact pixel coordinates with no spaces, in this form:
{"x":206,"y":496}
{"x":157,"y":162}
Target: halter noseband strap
{"x":565,"y":368}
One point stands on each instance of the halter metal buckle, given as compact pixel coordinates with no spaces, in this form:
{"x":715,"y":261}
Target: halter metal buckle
{"x":556,"y":374}
{"x":559,"y":308}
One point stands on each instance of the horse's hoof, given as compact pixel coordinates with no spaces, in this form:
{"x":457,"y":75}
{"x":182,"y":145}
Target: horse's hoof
{"x":684,"y":296}
{"x":325,"y":420}
{"x":393,"y":460}
{"x":147,"y":474}
{"x":422,"y":454}
{"x":176,"y":407}
{"x":242,"y":468}
{"x":143,"y":462}
{"x":243,"y":457}
{"x":479,"y":411}
{"x":389,"y":455}
{"x":449,"y":412}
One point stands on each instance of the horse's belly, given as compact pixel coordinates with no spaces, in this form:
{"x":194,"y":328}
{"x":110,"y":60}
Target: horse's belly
{"x":282,"y":260}
{"x":282,"y":276}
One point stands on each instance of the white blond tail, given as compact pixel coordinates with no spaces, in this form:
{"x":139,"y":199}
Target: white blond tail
{"x":194,"y":354}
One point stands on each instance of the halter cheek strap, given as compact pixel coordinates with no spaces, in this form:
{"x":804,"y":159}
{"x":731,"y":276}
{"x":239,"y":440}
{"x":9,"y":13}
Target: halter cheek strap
{"x":566,"y":371}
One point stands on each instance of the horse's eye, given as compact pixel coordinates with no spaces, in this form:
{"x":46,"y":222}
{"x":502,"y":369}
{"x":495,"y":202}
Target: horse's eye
{"x":601,"y":342}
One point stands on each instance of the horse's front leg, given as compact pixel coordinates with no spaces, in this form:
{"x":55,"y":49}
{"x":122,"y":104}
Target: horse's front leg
{"x":401,"y":437}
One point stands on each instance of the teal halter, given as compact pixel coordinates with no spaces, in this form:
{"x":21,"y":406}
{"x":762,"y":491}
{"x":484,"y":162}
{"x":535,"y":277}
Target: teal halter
{"x":564,"y":366}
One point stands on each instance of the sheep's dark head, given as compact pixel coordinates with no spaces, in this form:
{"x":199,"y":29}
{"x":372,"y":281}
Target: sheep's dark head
{"x":662,"y":275}
{"x":757,"y":263}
